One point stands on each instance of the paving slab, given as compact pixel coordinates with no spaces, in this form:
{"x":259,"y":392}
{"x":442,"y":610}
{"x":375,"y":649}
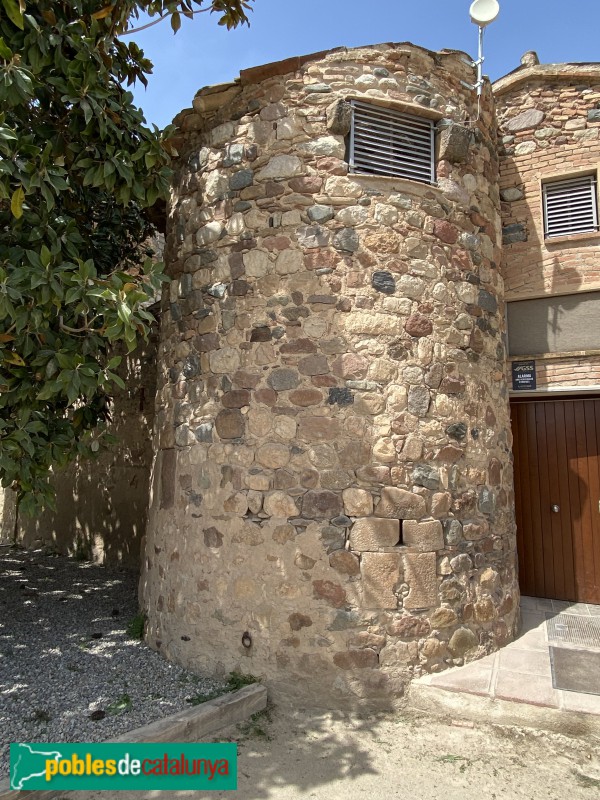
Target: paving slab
{"x":516,"y":683}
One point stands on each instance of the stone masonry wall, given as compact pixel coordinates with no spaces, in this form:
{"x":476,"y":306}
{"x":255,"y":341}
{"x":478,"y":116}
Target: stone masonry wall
{"x":549,"y":124}
{"x":332,"y":501}
{"x":102,"y":504}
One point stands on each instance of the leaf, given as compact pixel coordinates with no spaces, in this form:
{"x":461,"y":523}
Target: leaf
{"x":14,"y":358}
{"x":175,"y":21}
{"x":6,"y":337}
{"x":87,"y":111}
{"x":45,"y":256}
{"x":104,"y":12}
{"x":116,"y":379}
{"x":13,"y":12}
{"x":16,"y":203}
{"x":5,"y":51}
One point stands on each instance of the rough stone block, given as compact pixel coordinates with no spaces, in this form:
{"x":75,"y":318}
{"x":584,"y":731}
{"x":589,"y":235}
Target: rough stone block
{"x":511,"y":194}
{"x":381,"y":574}
{"x":357,"y":502}
{"x":230,"y":424}
{"x":324,"y":146}
{"x":462,"y":640}
{"x":484,"y":610}
{"x":273,"y":455}
{"x":282,"y":166}
{"x":515,"y":232}
{"x":418,"y":325}
{"x":280,"y":505}
{"x":213,"y":537}
{"x":331,"y":592}
{"x":224,"y":361}
{"x":383,"y":281}
{"x":282,"y":379}
{"x":346,"y":240}
{"x":530,"y":118}
{"x":318,"y":429}
{"x":440,"y":504}
{"x":339,"y":117}
{"x":424,"y":475}
{"x":409,"y":627}
{"x":445,"y":231}
{"x":344,"y":562}
{"x":443,"y":618}
{"x":364,"y":639}
{"x":356,"y":659}
{"x":425,"y":536}
{"x":400,"y":504}
{"x":372,"y":533}
{"x":473,"y":530}
{"x":313,"y":365}
{"x":455,"y":143}
{"x":341,"y":397}
{"x":298,"y":621}
{"x":321,"y":505}
{"x":332,"y":538}
{"x":238,"y":398}
{"x":362,"y":322}
{"x":420,"y":573}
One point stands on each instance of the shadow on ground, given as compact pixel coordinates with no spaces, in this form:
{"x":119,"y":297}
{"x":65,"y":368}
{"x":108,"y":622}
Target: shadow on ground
{"x":289,"y":756}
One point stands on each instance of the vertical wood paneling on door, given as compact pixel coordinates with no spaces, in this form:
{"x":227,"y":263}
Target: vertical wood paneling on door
{"x":557,"y":462}
{"x":574,"y":494}
{"x":593,"y":497}
{"x":596,"y":504}
{"x":534,"y":489}
{"x":564,"y":550}
{"x":554,"y":534}
{"x":545,"y":500}
{"x":524,"y":537}
{"x":514,"y":424}
{"x":585,"y":519}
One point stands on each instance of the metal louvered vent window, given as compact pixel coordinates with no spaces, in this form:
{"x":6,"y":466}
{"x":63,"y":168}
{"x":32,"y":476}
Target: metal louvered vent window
{"x":388,"y":142}
{"x":570,"y":206}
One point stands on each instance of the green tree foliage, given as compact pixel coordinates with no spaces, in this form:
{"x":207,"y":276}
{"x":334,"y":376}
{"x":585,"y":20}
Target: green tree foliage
{"x":79,"y":170}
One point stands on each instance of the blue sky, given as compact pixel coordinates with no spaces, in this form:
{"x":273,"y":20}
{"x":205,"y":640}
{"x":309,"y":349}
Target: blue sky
{"x":202,"y":53}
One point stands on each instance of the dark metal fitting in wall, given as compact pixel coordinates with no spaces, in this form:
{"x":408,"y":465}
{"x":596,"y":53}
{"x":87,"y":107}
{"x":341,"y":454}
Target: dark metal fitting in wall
{"x":246,"y":639}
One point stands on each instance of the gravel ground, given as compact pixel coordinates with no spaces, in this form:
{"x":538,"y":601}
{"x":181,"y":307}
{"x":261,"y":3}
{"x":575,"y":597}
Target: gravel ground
{"x":65,"y":654}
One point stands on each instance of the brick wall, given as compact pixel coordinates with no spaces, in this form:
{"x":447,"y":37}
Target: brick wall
{"x":578,"y":371}
{"x":549,"y":127}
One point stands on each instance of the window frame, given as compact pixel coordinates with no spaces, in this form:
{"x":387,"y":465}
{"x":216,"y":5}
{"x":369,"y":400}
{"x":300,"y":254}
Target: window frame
{"x":397,"y":119}
{"x":566,"y":230}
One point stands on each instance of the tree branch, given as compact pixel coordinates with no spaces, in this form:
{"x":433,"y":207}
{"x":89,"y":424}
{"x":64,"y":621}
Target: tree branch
{"x":156,"y":21}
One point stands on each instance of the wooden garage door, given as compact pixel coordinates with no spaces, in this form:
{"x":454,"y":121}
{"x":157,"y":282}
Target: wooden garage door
{"x":557,"y":497}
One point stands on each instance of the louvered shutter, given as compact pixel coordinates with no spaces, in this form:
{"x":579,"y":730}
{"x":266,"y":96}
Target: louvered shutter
{"x":570,"y":206}
{"x":388,"y":142}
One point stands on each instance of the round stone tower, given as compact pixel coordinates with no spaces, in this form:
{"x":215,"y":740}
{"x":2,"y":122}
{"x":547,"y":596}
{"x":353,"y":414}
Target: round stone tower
{"x":332,"y":504}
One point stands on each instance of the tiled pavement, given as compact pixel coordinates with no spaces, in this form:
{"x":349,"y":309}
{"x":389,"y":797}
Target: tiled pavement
{"x":521,"y":671}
